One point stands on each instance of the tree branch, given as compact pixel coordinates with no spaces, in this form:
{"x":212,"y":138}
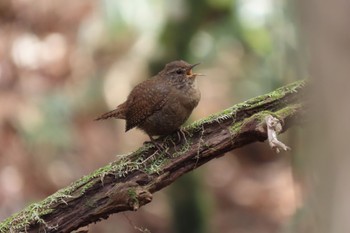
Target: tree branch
{"x":128,"y":183}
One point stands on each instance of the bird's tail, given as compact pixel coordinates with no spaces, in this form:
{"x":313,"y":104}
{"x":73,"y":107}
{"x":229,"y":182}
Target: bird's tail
{"x":118,"y":113}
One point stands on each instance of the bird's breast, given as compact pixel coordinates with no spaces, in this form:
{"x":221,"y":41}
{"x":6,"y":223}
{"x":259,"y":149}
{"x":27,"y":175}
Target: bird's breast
{"x":189,"y":98}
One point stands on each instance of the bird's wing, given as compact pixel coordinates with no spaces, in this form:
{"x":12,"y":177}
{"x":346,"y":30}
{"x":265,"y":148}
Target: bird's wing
{"x":145,"y":99}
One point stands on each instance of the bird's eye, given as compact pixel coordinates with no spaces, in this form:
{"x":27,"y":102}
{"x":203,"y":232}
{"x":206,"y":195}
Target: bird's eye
{"x":179,"y":71}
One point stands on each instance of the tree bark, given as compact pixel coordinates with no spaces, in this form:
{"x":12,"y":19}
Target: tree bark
{"x":128,"y":183}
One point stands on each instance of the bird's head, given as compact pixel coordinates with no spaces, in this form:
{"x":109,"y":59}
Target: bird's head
{"x":180,"y":70}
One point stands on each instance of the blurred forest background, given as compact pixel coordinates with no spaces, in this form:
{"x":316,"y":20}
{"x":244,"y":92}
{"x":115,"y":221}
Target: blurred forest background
{"x":62,"y":63}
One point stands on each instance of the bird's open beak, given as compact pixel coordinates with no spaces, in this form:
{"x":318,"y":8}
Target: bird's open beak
{"x":190,"y":74}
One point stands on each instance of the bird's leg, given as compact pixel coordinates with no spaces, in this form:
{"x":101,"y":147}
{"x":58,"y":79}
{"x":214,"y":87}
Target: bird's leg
{"x":182,"y":132}
{"x":158,"y":145}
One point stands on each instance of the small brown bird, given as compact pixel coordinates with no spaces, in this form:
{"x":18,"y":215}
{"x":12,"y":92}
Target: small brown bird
{"x":160,"y":105}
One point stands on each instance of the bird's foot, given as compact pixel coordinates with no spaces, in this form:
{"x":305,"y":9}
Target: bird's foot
{"x":160,"y":147}
{"x":181,"y":134}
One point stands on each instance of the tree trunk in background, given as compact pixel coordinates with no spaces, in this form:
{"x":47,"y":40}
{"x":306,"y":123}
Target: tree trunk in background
{"x":326,"y":28}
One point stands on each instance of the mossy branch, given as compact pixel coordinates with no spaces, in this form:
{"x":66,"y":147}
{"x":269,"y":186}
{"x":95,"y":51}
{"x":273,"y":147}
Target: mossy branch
{"x":128,"y":183}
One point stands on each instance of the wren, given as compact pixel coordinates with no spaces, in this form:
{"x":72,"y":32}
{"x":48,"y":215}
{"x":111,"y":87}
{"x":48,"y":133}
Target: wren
{"x":161,"y":104}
